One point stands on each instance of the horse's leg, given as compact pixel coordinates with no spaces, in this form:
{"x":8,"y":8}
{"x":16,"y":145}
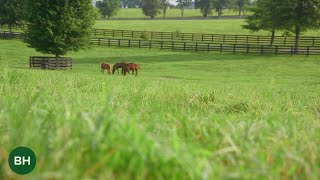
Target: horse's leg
{"x":102,"y":71}
{"x":136,"y":72}
{"x":109,"y":71}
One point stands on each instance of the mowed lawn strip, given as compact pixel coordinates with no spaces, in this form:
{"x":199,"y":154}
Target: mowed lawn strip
{"x":186,"y":115}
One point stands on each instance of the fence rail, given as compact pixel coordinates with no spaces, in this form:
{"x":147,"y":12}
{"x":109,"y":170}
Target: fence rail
{"x":50,"y":62}
{"x":215,"y":38}
{"x":209,"y":47}
{"x":199,"y":37}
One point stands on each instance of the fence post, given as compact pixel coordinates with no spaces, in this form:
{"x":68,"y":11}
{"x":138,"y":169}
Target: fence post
{"x":261,"y":49}
{"x":285,"y":40}
{"x":220,"y":48}
{"x":312,"y":41}
{"x":291,"y":50}
{"x":196,"y":47}
{"x":122,"y":33}
{"x":161,"y":35}
{"x":308,"y":51}
{"x":151,"y":34}
{"x":248,"y":48}
{"x":129,"y":43}
{"x":118,"y":42}
{"x":258,"y":42}
{"x":208,"y":47}
{"x":98,"y":41}
{"x":276,"y":49}
{"x":184,"y":46}
{"x":211,"y":37}
{"x":139,"y":43}
{"x":150,"y":44}
{"x":108,"y":42}
{"x":234,"y":48}
{"x":112,"y":32}
{"x":247,"y":39}
{"x":201,"y":37}
{"x":161,"y":44}
{"x":172,"y":45}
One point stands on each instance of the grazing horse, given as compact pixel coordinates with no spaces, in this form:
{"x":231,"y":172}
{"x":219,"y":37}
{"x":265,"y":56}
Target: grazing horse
{"x":116,"y":66}
{"x":131,"y":66}
{"x":105,"y":66}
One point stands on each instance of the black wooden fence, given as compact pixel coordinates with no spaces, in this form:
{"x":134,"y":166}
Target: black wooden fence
{"x":50,"y":62}
{"x":209,"y":47}
{"x":215,"y":38}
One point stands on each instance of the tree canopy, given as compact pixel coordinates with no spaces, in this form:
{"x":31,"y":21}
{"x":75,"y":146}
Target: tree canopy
{"x":57,"y":27}
{"x":108,"y":8}
{"x":205,"y":7}
{"x":151,"y":8}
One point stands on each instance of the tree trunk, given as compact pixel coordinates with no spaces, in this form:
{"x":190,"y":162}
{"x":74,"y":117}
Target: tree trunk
{"x":297,"y":38}
{"x":240,"y":9}
{"x":182,"y":11}
{"x":272,"y":36}
{"x":164,"y":13}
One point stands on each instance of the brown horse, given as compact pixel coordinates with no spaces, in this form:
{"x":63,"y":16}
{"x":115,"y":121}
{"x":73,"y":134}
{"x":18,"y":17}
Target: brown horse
{"x":131,"y":66}
{"x":116,"y":66}
{"x":105,"y":66}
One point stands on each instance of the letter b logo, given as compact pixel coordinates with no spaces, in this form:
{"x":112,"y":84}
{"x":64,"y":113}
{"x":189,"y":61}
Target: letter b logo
{"x":22,"y":160}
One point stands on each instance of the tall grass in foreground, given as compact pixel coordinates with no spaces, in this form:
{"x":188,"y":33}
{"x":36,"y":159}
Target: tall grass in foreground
{"x":85,"y":126}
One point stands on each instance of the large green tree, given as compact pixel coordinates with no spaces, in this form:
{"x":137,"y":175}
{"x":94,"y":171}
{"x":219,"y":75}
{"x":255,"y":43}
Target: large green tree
{"x":299,"y":16}
{"x":205,"y":7}
{"x":182,"y":5}
{"x":265,"y":16}
{"x":11,"y":12}
{"x":151,"y":8}
{"x":57,"y":27}
{"x":108,"y":8}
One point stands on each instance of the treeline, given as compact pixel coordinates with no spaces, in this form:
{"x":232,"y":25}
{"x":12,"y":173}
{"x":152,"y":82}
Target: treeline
{"x":152,"y":8}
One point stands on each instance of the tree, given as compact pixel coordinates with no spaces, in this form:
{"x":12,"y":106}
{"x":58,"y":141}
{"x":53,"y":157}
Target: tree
{"x":205,"y":6}
{"x":151,"y":8}
{"x":182,"y":4}
{"x":108,"y":8}
{"x":219,"y":5}
{"x":134,"y":3}
{"x":240,"y":4}
{"x":57,"y":27}
{"x":299,"y":15}
{"x":11,"y":12}
{"x":124,"y":3}
{"x":164,"y":5}
{"x":265,"y":16}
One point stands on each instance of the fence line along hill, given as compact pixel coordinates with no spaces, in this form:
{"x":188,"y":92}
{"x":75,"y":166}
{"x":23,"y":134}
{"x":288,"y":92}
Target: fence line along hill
{"x":215,"y":38}
{"x":198,"y":42}
{"x":196,"y":37}
{"x":209,"y":47}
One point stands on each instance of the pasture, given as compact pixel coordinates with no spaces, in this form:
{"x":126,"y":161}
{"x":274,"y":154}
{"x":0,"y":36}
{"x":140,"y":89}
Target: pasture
{"x":129,"y":13}
{"x":186,"y":115}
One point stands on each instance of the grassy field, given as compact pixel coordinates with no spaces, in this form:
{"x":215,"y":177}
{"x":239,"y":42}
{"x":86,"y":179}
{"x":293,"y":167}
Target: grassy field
{"x":131,"y":13}
{"x":186,"y":116}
